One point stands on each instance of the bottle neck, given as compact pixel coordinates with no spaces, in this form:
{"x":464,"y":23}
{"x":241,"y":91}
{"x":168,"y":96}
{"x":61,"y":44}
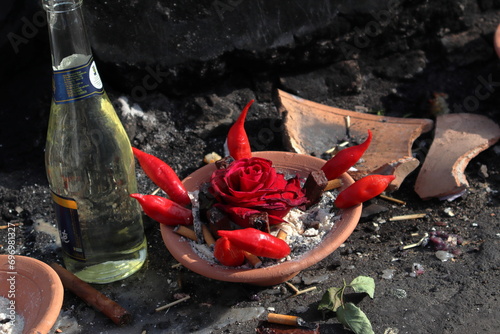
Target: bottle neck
{"x":67,"y":32}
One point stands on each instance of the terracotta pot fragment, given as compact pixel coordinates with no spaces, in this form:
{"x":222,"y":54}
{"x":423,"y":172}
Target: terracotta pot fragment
{"x":400,"y":168}
{"x":458,"y":138}
{"x":315,"y":128}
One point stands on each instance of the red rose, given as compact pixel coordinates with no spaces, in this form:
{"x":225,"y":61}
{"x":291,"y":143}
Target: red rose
{"x":254,"y":183}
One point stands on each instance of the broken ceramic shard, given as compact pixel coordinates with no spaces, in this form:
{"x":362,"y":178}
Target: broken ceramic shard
{"x":458,"y":138}
{"x":313,"y":128}
{"x":400,"y":168}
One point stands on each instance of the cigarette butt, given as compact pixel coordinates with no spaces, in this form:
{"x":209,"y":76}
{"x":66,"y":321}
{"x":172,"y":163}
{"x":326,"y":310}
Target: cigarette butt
{"x":253,"y":259}
{"x":333,"y":184}
{"x":91,"y":296}
{"x":282,"y":235}
{"x":284,"y":319}
{"x":209,"y":238}
{"x":185,"y":232}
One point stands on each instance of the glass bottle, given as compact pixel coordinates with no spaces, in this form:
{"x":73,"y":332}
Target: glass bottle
{"x":89,"y":161}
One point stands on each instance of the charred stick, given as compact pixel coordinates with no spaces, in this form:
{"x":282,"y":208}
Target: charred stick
{"x":260,"y":221}
{"x":314,"y":186}
{"x":91,"y":296}
{"x":224,"y":162}
{"x":217,"y":220}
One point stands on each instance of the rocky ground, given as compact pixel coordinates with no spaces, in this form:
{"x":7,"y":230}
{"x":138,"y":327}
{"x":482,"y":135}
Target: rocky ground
{"x":388,"y":64}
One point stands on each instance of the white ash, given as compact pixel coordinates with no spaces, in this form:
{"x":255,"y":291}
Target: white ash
{"x":10,"y":323}
{"x":203,"y":250}
{"x":130,"y":111}
{"x":303,"y":238}
{"x":195,"y":203}
{"x":305,"y":229}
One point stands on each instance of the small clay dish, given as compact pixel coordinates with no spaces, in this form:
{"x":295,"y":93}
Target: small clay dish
{"x":36,"y":290}
{"x":301,"y":164}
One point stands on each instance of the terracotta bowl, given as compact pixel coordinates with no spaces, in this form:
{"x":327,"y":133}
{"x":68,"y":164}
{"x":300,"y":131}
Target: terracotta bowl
{"x":496,"y":41}
{"x":302,"y":164}
{"x":37,"y":291}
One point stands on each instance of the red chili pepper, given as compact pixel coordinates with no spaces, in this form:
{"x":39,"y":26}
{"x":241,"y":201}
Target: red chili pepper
{"x":163,"y":210}
{"x":163,"y":176}
{"x":345,"y":159}
{"x":237,"y":139}
{"x":257,"y":242}
{"x":363,"y":190}
{"x":228,"y":254}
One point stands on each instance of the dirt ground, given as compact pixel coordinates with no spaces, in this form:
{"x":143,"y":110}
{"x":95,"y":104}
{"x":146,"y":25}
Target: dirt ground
{"x":460,"y":295}
{"x":457,"y":296}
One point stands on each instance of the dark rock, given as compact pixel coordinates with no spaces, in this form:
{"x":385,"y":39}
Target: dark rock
{"x":169,"y":41}
{"x":402,"y":66}
{"x":342,"y":78}
{"x":151,"y":47}
{"x":25,"y":72}
{"x":466,"y":47}
{"x":373,"y":209}
{"x":489,"y":4}
{"x":316,"y":91}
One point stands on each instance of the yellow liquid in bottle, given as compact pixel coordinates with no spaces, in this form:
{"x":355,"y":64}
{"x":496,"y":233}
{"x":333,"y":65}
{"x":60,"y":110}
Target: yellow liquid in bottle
{"x":89,"y":161}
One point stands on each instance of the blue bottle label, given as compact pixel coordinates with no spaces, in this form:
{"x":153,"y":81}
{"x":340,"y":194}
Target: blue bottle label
{"x":77,"y":83}
{"x":69,"y":227}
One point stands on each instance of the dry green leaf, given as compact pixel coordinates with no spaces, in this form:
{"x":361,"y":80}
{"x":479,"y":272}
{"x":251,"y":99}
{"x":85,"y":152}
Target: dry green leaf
{"x":330,"y":300}
{"x":363,"y":284}
{"x":351,"y":316}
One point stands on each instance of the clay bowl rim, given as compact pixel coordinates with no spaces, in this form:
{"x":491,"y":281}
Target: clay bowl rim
{"x":182,"y":251}
{"x":39,"y":318}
